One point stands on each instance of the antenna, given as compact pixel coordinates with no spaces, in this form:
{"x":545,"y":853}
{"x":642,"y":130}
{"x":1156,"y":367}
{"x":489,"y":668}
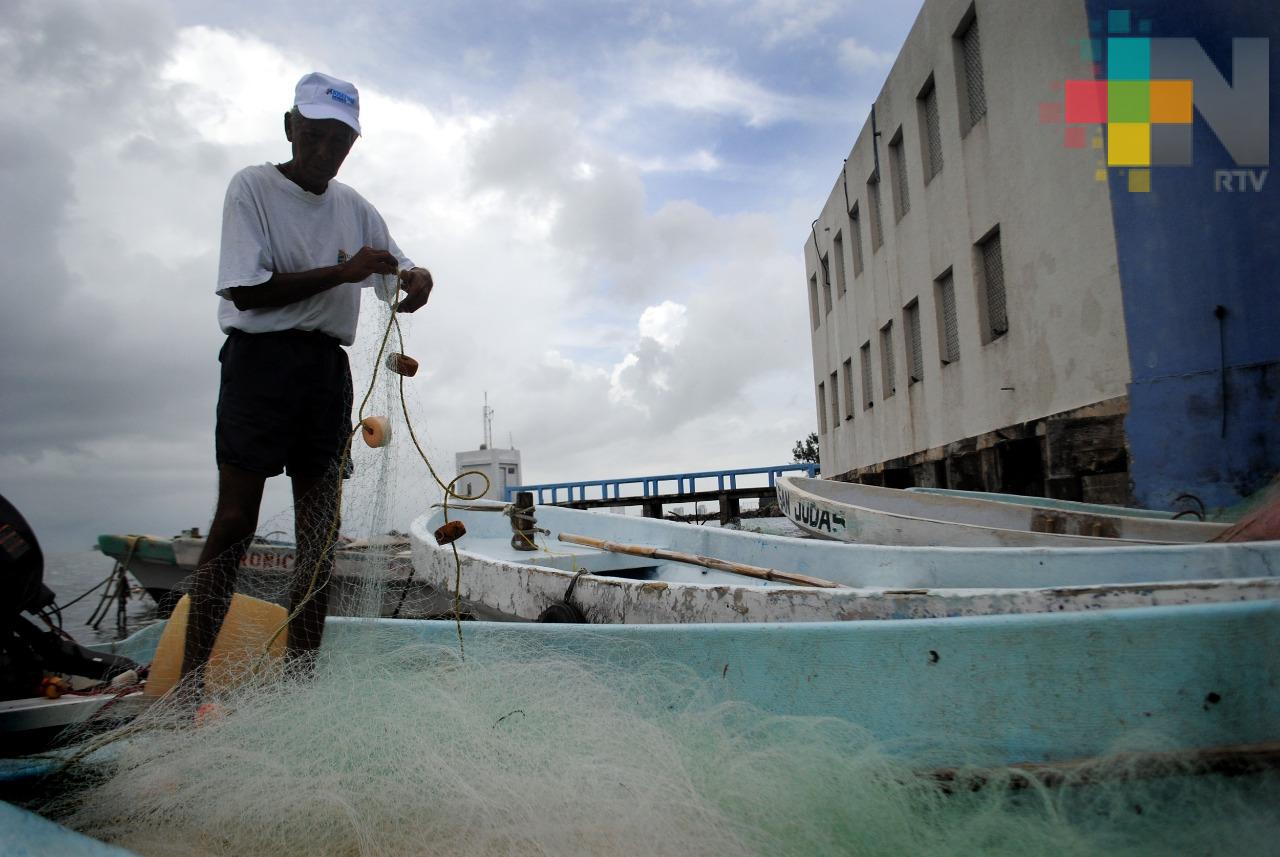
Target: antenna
{"x":488,"y":423}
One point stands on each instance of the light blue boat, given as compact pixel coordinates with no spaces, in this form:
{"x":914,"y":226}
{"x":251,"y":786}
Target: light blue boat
{"x":994,"y":689}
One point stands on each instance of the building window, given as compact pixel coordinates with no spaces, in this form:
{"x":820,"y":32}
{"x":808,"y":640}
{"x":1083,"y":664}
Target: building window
{"x":848,"y":389}
{"x":886,"y":361}
{"x":991,"y":266}
{"x":898,"y":165}
{"x":822,"y":409}
{"x":864,"y":357}
{"x":873,"y":202}
{"x":813,"y":301}
{"x":837,"y":250}
{"x":948,"y":328}
{"x":973,"y":93}
{"x":855,"y":232}
{"x":931,"y":139}
{"x":826,"y":283}
{"x":915,"y":350}
{"x":835,"y":402}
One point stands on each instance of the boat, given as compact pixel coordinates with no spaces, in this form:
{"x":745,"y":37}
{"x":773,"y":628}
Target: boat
{"x":1037,"y":688}
{"x":584,"y":568}
{"x":869,"y":514}
{"x":1049,"y":503}
{"x":1186,"y":689}
{"x":164,"y":566}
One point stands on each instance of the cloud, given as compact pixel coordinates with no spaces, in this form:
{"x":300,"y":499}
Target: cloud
{"x":860,"y":59}
{"x":665,"y":324}
{"x":615,"y":334}
{"x":701,"y":161}
{"x":785,"y":21}
{"x":667,"y":75}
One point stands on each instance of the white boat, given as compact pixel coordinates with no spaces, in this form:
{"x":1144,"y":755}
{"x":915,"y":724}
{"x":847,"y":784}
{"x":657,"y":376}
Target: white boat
{"x":164,"y":567}
{"x":563,"y":581}
{"x":1049,"y":503}
{"x":868,"y":514}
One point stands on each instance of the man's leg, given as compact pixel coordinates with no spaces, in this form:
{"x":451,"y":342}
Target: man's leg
{"x":234,"y":521}
{"x":317,"y":520}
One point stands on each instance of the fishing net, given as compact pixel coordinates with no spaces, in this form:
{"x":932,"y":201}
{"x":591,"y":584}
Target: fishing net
{"x":395,"y":748}
{"x":500,"y":745}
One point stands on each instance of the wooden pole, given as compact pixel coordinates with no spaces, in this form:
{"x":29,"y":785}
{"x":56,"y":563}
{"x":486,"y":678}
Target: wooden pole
{"x":704,"y":561}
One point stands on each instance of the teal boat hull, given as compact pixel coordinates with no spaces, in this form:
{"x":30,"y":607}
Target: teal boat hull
{"x":1010,"y":689}
{"x":987,"y":690}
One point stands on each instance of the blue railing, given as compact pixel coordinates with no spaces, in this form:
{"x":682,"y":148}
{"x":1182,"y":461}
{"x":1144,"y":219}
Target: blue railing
{"x":652,"y":487}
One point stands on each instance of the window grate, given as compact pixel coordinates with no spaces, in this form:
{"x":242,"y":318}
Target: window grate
{"x":822,"y":409}
{"x":877,"y":227}
{"x":950,"y":327}
{"x":864,"y":357}
{"x":835,"y":402}
{"x":848,"y":389}
{"x":837,"y":250}
{"x":993,"y":283}
{"x":933,"y":134}
{"x":887,"y":368}
{"x":826,"y":284}
{"x":901,"y":194}
{"x":915,"y":349}
{"x":976,"y":93}
{"x":814,"y":316}
{"x":855,"y":232}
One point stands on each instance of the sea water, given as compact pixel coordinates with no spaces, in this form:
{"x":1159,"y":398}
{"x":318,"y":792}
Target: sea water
{"x":71,"y":573}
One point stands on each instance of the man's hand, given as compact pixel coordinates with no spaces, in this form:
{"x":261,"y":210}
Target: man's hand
{"x":366,"y":263}
{"x":417,"y":284}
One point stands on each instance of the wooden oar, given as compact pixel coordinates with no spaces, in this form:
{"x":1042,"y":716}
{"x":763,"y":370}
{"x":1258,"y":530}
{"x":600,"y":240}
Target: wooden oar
{"x":704,"y":561}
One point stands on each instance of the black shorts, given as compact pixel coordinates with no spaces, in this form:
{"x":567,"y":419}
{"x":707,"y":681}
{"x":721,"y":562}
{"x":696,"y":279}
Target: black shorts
{"x":284,"y":403}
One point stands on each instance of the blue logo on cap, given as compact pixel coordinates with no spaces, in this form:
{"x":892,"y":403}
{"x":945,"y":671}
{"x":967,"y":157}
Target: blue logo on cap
{"x":340,"y":96}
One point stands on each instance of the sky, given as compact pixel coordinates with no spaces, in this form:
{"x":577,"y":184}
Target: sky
{"x":613,"y":198}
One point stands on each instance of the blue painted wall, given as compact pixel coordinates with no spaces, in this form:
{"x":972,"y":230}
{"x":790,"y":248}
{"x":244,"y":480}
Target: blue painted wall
{"x":1184,"y":250}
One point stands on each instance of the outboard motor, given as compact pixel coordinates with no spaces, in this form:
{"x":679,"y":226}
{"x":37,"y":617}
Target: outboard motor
{"x":27,"y":652}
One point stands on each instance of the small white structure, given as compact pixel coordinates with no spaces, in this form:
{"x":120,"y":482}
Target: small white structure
{"x":501,"y":466}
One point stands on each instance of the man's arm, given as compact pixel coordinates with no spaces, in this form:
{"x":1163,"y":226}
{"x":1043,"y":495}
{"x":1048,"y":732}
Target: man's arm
{"x":287,"y":288}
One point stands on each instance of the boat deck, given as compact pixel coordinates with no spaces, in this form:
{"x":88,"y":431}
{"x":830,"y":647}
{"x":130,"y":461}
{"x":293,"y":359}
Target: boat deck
{"x":574,"y":558}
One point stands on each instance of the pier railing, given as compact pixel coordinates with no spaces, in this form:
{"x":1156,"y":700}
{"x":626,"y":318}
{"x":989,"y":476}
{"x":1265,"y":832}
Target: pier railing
{"x":653,"y":492}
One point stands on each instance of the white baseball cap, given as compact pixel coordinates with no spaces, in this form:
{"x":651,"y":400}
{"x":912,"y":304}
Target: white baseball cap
{"x":319,"y":96}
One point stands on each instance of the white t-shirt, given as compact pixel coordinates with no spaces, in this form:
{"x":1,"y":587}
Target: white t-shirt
{"x":271,"y":225}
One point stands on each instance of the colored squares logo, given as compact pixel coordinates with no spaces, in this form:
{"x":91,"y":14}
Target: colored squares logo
{"x":1129,"y":59}
{"x":1086,"y":102}
{"x":1171,"y":102}
{"x":1128,"y":101}
{"x":1128,"y":144}
{"x":1147,"y":122}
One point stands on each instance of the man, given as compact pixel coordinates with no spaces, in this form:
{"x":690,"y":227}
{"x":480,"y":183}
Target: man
{"x":297,"y":248}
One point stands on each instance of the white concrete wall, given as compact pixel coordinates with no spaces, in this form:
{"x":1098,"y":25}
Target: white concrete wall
{"x":1066,"y":345}
{"x":502,"y":466}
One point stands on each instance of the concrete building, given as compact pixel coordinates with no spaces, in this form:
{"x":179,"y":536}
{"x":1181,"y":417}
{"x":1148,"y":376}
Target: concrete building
{"x":500,"y":466}
{"x":1004,"y":297}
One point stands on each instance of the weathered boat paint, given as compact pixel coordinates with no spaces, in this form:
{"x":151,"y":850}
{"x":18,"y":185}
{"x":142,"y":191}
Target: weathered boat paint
{"x":1000,"y":689}
{"x":497,"y":582}
{"x":164,"y":566}
{"x":868,"y":514}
